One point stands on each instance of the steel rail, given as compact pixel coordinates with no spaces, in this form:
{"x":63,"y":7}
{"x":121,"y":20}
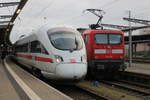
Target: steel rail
{"x":137,"y":91}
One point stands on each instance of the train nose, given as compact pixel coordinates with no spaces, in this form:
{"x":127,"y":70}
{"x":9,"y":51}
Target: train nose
{"x":71,"y":71}
{"x":79,"y":71}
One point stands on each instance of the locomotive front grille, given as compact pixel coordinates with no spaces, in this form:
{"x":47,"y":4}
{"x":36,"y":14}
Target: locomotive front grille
{"x":107,"y":64}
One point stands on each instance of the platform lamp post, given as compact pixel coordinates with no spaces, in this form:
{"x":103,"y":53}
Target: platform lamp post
{"x":130,"y":41}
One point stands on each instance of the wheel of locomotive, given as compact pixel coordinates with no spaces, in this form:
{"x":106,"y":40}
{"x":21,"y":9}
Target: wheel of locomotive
{"x":110,"y":75}
{"x":90,"y":73}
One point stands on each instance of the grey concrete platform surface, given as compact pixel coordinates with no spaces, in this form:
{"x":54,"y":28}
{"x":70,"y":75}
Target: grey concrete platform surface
{"x":7,"y":91}
{"x":34,"y":88}
{"x":142,"y":68}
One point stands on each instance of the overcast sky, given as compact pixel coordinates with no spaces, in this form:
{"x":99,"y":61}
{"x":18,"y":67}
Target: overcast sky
{"x":70,"y":13}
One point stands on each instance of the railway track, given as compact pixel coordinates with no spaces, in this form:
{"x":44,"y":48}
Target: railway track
{"x":136,"y":78}
{"x":140,"y":59}
{"x":77,"y":93}
{"x":131,"y":89}
{"x":136,"y":84}
{"x":133,"y":83}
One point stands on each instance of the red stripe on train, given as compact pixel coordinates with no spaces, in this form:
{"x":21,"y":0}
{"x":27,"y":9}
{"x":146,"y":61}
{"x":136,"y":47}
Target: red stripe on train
{"x":44,"y":59}
{"x":24,"y":56}
{"x":36,"y":58}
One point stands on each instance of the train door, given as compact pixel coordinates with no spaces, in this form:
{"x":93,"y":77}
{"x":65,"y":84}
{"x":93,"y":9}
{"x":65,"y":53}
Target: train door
{"x":35,"y":51}
{"x":30,"y":54}
{"x":25,"y":52}
{"x":47,"y":62}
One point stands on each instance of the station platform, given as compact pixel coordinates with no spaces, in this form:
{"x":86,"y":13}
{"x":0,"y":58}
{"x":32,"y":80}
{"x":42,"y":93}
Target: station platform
{"x":143,"y":68}
{"x":7,"y":91}
{"x":23,"y":86}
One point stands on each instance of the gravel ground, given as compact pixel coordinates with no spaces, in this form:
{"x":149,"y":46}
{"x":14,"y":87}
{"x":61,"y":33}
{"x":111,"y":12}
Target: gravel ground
{"x":76,"y":93}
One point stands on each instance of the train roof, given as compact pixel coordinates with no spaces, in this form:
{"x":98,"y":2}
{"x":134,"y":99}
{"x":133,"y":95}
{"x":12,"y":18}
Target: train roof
{"x":61,"y":29}
{"x":48,"y":26}
{"x":25,"y":39}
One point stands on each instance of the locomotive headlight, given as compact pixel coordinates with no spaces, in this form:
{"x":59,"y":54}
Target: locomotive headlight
{"x":84,"y":58}
{"x":58,"y":58}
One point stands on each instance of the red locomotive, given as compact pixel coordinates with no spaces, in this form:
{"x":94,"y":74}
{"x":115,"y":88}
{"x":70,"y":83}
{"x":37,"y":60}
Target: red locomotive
{"x":105,"y":50}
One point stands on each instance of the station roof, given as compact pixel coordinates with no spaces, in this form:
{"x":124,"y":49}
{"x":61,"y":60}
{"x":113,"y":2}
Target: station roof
{"x":144,"y":38}
{"x":7,"y":20}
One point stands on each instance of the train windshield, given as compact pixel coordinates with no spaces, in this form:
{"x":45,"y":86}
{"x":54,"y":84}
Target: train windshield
{"x":108,"y":38}
{"x":115,"y":38}
{"x":101,"y":39}
{"x":65,"y":41}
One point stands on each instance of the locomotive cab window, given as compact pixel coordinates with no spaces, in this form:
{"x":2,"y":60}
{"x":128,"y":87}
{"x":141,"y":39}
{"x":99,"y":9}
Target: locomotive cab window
{"x":101,"y":39}
{"x":115,"y":38}
{"x":108,"y":38}
{"x":65,"y":40}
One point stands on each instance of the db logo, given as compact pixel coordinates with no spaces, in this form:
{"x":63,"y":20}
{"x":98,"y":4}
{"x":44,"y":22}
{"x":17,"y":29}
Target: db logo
{"x":72,"y":60}
{"x":108,"y":51}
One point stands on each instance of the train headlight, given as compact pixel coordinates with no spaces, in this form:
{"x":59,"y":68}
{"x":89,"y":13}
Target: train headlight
{"x":58,"y":58}
{"x":84,"y":58}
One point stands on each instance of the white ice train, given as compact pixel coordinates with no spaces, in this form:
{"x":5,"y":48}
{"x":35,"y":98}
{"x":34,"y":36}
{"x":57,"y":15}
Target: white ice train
{"x":56,"y":53}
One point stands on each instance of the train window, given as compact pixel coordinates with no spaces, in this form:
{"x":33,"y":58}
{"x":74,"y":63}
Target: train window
{"x":22,"y":48}
{"x":108,"y":38}
{"x":115,"y":38}
{"x":65,"y":41}
{"x":43,"y":50}
{"x":35,"y":47}
{"x":101,"y":39}
{"x":17,"y":48}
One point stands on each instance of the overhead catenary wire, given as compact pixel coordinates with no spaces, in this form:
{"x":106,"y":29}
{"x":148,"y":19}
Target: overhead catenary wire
{"x":64,"y":7}
{"x":106,"y":5}
{"x":142,"y":13}
{"x":72,"y":18}
{"x":103,"y":6}
{"x":41,"y":11}
{"x":109,"y":4}
{"x":44,"y":9}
